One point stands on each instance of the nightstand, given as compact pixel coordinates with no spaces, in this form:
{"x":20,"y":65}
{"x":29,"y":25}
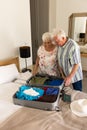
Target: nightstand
{"x":29,"y":68}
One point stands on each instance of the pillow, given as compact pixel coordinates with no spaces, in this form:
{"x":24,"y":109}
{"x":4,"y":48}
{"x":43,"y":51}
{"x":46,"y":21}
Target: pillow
{"x":8,"y":73}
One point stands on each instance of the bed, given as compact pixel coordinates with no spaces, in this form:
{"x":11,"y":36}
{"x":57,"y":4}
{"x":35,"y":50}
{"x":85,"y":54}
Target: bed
{"x":15,"y":117}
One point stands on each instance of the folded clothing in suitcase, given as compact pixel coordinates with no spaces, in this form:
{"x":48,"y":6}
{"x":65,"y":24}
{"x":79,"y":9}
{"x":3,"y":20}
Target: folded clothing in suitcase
{"x":43,"y":96}
{"x":39,"y":80}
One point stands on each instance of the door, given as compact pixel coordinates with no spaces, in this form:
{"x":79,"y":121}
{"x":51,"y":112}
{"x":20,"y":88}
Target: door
{"x":39,"y":23}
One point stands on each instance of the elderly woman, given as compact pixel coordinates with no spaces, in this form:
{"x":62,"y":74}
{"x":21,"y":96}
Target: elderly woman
{"x":46,"y":62}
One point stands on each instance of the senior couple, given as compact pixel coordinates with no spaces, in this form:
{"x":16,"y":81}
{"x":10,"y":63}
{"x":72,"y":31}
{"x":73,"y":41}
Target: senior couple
{"x":60,"y":54}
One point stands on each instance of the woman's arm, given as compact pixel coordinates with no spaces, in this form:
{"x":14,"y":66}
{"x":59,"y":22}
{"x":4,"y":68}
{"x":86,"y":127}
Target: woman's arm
{"x":35,"y":69}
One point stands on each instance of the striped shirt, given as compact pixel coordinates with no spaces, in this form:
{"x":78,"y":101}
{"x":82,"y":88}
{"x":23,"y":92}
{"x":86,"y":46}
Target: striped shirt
{"x":68,"y":56}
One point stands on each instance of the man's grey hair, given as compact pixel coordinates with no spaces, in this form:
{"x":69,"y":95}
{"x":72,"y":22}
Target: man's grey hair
{"x":59,"y":33}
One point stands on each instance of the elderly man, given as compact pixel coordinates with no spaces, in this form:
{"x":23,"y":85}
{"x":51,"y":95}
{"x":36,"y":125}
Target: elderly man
{"x":69,"y":59}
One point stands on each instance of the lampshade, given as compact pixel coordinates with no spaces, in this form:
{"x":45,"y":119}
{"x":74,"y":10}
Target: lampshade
{"x":24,"y":51}
{"x":82,"y":35}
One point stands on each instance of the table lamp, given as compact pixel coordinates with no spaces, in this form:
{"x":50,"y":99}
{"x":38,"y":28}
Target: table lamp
{"x":24,"y":53}
{"x":82,"y":37}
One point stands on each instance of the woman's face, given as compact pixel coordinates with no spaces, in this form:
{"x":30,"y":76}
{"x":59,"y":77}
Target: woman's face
{"x":47,"y":43}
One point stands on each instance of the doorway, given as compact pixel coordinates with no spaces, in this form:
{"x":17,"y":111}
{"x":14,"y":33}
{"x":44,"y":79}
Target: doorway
{"x":39,"y":10}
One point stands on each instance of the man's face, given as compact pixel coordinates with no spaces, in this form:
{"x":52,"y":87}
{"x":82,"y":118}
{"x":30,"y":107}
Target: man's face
{"x":59,"y":41}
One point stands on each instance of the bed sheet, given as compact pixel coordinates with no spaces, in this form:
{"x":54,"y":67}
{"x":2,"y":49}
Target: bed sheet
{"x":22,"y":77}
{"x":7,"y":108}
{"x":14,"y":117}
{"x":7,"y":90}
{"x":34,"y":119}
{"x":83,"y":49}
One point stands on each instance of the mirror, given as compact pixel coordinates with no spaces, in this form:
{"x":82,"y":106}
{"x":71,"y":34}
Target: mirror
{"x":78,"y":27}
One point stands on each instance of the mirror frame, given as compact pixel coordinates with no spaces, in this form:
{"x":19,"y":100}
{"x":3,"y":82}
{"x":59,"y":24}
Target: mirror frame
{"x":73,"y":15}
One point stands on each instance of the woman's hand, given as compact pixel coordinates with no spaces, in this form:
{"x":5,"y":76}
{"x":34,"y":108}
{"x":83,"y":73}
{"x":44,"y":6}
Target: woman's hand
{"x":34,"y":72}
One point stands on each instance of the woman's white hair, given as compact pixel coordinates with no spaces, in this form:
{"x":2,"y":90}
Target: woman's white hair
{"x":46,"y":37}
{"x":59,"y":33}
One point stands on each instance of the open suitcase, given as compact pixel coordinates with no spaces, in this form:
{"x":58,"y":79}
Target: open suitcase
{"x":48,"y":104}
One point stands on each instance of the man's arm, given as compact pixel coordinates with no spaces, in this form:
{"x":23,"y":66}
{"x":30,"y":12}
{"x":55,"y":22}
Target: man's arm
{"x":69,"y":77}
{"x":61,"y":72}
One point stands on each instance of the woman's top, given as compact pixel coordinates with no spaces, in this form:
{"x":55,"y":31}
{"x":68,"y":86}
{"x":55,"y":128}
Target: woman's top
{"x":48,"y":63}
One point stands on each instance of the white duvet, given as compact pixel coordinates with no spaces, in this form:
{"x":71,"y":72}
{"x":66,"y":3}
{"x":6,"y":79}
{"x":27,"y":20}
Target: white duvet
{"x":37,"y":119}
{"x":7,"y":91}
{"x":7,"y":109}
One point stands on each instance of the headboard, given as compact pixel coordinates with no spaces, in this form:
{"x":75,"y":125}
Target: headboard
{"x":14,"y":60}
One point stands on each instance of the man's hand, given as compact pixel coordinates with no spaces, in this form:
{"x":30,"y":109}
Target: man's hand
{"x":67,"y":81}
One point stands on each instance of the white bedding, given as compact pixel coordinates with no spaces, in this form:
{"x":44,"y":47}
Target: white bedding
{"x":24,"y":76}
{"x":7,"y":109}
{"x":35,"y":119}
{"x":21,"y":79}
{"x":7,"y":91}
{"x":83,"y":49}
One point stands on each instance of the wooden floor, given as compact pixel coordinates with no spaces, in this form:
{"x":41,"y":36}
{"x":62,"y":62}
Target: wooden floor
{"x":85,"y":81}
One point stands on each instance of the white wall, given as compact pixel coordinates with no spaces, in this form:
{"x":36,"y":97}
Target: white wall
{"x":64,"y":8}
{"x":52,"y":14}
{"x":15,"y":28}
{"x":79,"y":27}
